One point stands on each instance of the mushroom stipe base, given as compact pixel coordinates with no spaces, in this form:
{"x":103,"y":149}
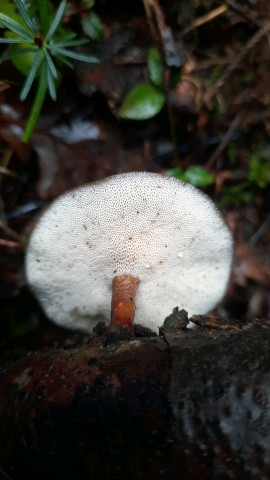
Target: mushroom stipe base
{"x":124,"y":288}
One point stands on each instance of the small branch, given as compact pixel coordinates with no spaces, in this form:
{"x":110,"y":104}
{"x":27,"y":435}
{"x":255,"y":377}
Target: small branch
{"x":262,"y":230}
{"x":244,"y":11}
{"x":9,"y":244}
{"x":172,"y":57}
{"x":236,"y":61}
{"x":198,"y":22}
{"x":9,"y":232}
{"x":150,"y":18}
{"x":5,"y":159}
{"x":223,"y":144}
{"x":6,"y":171}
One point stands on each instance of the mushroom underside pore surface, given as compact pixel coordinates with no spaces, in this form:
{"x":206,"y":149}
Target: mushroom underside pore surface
{"x":160,"y":231}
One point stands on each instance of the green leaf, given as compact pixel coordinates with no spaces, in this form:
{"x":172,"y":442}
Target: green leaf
{"x":259,"y":171}
{"x":155,"y":67}
{"x":142,"y":103}
{"x":199,"y":176}
{"x":65,"y":62}
{"x":16,"y":27}
{"x":50,"y":63}
{"x":92,"y":26}
{"x":66,"y":36}
{"x":24,"y":60}
{"x":8,"y":8}
{"x":44,"y":15}
{"x":29,"y":22}
{"x":196,"y":175}
{"x":51,"y":83}
{"x":76,"y":56}
{"x":19,"y":52}
{"x":57,"y":19}
{"x":236,"y":195}
{"x":31,"y":77}
{"x":10,"y":40}
{"x":69,"y":43}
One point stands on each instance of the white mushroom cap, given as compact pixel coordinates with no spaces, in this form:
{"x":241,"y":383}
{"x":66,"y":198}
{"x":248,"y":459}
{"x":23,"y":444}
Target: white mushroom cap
{"x":157,"y":228}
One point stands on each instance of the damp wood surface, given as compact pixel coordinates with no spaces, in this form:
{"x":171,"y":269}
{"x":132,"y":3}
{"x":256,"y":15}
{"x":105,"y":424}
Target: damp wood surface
{"x":191,"y":405}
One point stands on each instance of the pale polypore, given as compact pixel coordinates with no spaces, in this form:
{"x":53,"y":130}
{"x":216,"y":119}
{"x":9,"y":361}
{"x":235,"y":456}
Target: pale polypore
{"x":130,"y":248}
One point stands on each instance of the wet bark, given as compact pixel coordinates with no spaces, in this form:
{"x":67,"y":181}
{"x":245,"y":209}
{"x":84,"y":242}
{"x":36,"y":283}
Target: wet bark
{"x":192,"y":405}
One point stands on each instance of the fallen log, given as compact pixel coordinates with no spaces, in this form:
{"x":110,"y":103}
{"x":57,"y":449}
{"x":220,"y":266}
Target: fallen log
{"x":192,"y":405}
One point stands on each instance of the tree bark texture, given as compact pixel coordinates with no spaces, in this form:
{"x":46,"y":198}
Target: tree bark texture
{"x":193,"y":405}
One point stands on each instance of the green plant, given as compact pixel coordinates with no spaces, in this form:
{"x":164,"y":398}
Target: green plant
{"x":257,"y":177}
{"x":197,"y":175}
{"x":259,"y":171}
{"x":236,"y":194}
{"x":43,"y":45}
{"x":145,"y":100}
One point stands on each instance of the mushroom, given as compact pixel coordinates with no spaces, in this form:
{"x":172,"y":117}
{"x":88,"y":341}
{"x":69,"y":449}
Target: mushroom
{"x":129,"y":247}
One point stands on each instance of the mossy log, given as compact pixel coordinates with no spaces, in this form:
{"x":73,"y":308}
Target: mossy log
{"x":193,"y":405}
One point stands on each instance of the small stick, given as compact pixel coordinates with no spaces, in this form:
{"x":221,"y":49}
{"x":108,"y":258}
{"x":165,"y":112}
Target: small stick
{"x":236,"y":61}
{"x":244,"y":11}
{"x":9,"y":232}
{"x":227,"y":137}
{"x":5,"y":160}
{"x":206,"y":18}
{"x":9,"y":244}
{"x":124,"y":288}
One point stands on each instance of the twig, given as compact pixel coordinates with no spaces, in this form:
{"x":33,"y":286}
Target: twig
{"x":5,"y":159}
{"x":261,"y":231}
{"x":149,"y":16}
{"x":8,"y":231}
{"x":172,"y":56}
{"x":6,"y":171}
{"x":223,"y":144}
{"x":244,"y":11}
{"x":238,"y":58}
{"x":257,"y":117}
{"x":206,"y":18}
{"x":4,"y":85}
{"x":9,"y":244}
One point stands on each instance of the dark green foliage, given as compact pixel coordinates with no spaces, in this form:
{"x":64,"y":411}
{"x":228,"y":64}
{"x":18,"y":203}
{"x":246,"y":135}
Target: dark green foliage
{"x":46,"y":45}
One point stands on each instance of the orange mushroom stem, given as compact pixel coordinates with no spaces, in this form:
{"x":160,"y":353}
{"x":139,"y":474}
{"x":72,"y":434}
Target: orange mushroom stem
{"x":124,"y":288}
